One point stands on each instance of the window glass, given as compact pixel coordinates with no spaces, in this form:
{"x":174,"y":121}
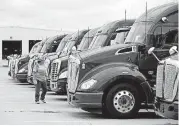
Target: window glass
{"x":173,"y":17}
{"x":34,"y":48}
{"x":170,"y":37}
{"x":85,"y":43}
{"x":120,"y":37}
{"x":137,"y":32}
{"x":164,"y":36}
{"x":53,"y":48}
{"x":98,"y":41}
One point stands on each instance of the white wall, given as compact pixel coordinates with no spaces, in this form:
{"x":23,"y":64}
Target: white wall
{"x":25,"y":34}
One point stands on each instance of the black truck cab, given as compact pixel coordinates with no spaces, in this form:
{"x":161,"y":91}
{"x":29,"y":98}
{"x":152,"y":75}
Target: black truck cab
{"x":43,"y":67}
{"x":84,"y":44}
{"x":111,"y":33}
{"x":49,"y":48}
{"x":20,"y":73}
{"x":119,"y":79}
{"x":61,"y":62}
{"x":32,"y":59}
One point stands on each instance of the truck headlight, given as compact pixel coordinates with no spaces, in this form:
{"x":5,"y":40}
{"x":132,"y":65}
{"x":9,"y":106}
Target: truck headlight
{"x":88,"y":84}
{"x":22,"y":70}
{"x":63,"y":75}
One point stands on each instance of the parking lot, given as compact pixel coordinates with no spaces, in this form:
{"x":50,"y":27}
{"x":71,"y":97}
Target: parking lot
{"x":17,"y":107}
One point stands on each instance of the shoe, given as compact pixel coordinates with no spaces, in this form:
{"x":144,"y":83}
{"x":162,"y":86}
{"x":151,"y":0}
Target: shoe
{"x":37,"y":102}
{"x":43,"y":101}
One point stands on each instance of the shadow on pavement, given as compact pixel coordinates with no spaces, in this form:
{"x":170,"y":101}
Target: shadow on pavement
{"x":87,"y":115}
{"x":22,"y":84}
{"x":51,"y":93}
{"x":147,"y":115}
{"x":60,"y":99}
{"x":141,"y":115}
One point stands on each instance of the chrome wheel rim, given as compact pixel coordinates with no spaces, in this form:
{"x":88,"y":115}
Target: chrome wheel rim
{"x":123,"y":101}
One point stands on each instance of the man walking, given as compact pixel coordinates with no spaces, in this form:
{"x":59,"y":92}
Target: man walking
{"x":37,"y":92}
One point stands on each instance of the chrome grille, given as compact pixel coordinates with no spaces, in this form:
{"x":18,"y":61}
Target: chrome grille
{"x":73,"y":74}
{"x":54,"y":71}
{"x":168,"y":80}
{"x":170,"y":76}
{"x":159,"y":82}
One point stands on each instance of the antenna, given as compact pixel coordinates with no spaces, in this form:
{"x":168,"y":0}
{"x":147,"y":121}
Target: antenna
{"x":78,"y":34}
{"x":88,"y":35}
{"x":125,"y":15}
{"x":146,"y":22}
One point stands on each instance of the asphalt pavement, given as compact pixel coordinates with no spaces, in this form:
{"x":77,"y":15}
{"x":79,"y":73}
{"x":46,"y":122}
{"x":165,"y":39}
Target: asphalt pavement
{"x":17,"y":106}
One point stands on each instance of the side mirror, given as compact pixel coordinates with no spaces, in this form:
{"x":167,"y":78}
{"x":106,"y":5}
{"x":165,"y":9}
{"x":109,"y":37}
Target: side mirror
{"x":150,"y":51}
{"x":173,"y":50}
{"x":73,"y":48}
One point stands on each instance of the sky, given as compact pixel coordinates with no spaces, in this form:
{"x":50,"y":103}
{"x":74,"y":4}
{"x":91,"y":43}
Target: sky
{"x":70,"y":15}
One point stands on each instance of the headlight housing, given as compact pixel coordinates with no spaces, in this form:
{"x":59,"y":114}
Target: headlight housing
{"x":63,"y":75}
{"x":23,"y":70}
{"x":88,"y":84}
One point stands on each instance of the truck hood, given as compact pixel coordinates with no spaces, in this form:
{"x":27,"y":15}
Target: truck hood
{"x":35,"y":54}
{"x":52,"y":57}
{"x":26,"y":57}
{"x":98,"y":53}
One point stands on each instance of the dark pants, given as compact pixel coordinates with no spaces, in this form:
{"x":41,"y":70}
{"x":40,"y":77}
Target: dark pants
{"x":37,"y":90}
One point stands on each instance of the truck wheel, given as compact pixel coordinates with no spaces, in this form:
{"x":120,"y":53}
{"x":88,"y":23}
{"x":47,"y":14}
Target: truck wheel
{"x":122,"y":101}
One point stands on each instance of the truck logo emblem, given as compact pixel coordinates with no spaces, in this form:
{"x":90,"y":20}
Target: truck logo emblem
{"x":150,"y":72}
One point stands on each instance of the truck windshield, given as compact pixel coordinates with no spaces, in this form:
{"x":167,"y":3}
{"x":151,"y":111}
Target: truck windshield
{"x":137,"y":32}
{"x":68,"y":47}
{"x":98,"y":41}
{"x":120,"y":37}
{"x":39,"y":47}
{"x":34,"y":49}
{"x":61,"y":46}
{"x":47,"y":44}
{"x":85,"y":43}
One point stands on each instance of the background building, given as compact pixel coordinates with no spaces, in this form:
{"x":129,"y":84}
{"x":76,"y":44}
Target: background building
{"x":19,"y":40}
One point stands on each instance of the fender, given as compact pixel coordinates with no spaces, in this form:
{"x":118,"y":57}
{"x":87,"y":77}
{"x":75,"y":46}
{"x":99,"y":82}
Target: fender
{"x":107,"y":74}
{"x":106,"y":66}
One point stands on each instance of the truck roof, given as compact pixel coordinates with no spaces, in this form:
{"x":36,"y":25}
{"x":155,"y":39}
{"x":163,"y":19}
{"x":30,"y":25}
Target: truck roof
{"x":112,"y":26}
{"x":91,"y":32}
{"x":156,"y":13}
{"x":78,"y":34}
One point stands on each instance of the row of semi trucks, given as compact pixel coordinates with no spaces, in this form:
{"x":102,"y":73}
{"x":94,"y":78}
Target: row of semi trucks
{"x":117,"y":68}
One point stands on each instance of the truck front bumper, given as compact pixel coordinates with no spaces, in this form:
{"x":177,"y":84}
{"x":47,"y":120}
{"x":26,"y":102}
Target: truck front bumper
{"x":59,"y":85}
{"x":166,"y":110}
{"x":21,"y":76}
{"x":85,"y":100}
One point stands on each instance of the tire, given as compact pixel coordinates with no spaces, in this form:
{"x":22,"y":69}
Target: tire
{"x":60,"y":93}
{"x":122,"y":101}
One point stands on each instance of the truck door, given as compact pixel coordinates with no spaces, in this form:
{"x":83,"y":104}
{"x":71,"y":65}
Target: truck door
{"x":164,"y":40}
